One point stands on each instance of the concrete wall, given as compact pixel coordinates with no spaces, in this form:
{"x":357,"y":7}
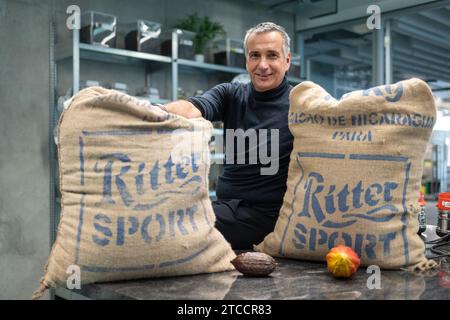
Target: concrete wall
{"x":25,"y":109}
{"x":24,"y":146}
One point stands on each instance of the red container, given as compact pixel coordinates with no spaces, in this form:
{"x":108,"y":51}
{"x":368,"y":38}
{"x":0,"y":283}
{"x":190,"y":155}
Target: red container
{"x":443,"y":222}
{"x":443,"y":201}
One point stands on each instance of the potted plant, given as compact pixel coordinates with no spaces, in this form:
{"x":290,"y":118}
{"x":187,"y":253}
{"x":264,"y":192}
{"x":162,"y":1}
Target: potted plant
{"x":205,"y":31}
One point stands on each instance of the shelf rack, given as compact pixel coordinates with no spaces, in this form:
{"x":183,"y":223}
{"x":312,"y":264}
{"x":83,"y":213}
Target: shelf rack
{"x":121,"y":56}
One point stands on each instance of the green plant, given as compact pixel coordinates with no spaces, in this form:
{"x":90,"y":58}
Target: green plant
{"x":205,"y":30}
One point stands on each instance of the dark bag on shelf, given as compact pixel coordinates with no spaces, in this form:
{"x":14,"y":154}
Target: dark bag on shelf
{"x":99,"y":29}
{"x":185,"y":45}
{"x":234,"y":59}
{"x":146,"y":37}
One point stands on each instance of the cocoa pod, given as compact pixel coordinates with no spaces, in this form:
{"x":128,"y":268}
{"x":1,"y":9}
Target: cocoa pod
{"x":254,"y":264}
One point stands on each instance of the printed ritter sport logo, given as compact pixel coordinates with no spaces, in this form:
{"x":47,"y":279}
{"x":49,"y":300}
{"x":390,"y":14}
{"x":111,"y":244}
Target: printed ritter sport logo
{"x":129,"y":191}
{"x":340,"y":208}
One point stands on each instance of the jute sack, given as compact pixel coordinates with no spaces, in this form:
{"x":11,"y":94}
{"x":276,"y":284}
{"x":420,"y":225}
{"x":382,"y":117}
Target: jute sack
{"x":354,"y":175}
{"x":134,"y":186}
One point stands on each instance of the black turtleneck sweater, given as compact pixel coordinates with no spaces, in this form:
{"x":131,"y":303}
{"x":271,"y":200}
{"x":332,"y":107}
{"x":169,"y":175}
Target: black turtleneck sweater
{"x":241,"y":106}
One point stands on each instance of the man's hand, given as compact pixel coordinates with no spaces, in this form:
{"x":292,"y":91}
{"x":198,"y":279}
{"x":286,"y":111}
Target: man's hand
{"x":183,"y":108}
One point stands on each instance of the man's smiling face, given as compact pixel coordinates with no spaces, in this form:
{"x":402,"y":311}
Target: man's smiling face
{"x":265,"y":61}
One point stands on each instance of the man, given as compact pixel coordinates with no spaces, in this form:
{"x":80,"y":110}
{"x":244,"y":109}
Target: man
{"x":248,"y":201}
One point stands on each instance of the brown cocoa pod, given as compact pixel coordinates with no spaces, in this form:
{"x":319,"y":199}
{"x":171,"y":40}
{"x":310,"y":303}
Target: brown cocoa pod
{"x":254,"y":264}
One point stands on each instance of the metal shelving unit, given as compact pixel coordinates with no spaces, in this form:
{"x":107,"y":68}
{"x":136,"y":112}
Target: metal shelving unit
{"x":78,"y":51}
{"x":209,"y":66}
{"x":112,"y":55}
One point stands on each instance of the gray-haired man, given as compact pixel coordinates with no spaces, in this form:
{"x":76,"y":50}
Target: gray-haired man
{"x":248,"y":202}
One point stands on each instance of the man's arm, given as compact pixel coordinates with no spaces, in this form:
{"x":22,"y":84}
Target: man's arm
{"x":183,"y":108}
{"x":210,"y":105}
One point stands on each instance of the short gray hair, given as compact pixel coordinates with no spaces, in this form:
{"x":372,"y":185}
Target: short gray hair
{"x":264,"y":27}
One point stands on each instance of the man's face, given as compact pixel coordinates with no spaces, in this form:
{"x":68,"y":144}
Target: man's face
{"x":266,"y":62}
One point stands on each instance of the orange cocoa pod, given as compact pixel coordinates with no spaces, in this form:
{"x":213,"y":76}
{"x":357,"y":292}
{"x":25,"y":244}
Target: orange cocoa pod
{"x":342,"y":261}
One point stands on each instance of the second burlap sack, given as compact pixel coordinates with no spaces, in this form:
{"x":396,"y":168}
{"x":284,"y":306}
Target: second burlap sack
{"x":134,"y":186}
{"x":355,"y":173}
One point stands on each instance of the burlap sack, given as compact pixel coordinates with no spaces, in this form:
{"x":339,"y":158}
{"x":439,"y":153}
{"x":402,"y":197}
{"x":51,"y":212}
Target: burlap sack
{"x":354,"y":175}
{"x":134,"y":185}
